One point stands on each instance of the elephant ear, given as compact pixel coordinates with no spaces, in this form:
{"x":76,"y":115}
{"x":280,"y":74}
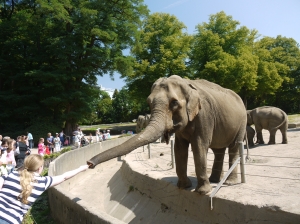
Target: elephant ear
{"x":193,"y":103}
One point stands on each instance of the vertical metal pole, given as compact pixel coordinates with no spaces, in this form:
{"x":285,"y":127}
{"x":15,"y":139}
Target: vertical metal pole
{"x":172,"y":153}
{"x":242,"y":161}
{"x":149,"y":154}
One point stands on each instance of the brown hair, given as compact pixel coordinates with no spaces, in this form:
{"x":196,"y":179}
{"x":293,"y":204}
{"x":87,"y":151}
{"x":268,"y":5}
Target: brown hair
{"x":11,"y":143}
{"x":23,"y":139}
{"x":31,"y":164}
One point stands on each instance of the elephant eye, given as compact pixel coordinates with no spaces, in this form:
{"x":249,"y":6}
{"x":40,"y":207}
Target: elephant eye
{"x":174,"y":103}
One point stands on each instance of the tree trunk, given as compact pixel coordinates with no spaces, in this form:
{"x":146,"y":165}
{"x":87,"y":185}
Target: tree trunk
{"x":70,"y":127}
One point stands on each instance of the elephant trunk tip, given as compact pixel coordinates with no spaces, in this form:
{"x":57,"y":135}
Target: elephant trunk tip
{"x":90,"y":164}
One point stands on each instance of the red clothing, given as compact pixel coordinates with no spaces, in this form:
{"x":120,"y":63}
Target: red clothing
{"x":41,"y":148}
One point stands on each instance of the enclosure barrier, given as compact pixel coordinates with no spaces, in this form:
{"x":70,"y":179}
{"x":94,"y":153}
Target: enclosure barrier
{"x":67,"y":208}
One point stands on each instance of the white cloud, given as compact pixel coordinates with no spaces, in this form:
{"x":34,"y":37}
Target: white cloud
{"x":176,"y":4}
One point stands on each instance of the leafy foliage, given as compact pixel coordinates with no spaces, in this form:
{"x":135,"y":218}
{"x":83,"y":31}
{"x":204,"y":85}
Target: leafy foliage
{"x":124,"y":108}
{"x":221,"y":52}
{"x":231,"y":56}
{"x":278,"y":73}
{"x":160,"y":51}
{"x":51,"y":53}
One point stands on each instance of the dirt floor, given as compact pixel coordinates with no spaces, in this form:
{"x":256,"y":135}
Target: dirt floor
{"x":274,"y":171}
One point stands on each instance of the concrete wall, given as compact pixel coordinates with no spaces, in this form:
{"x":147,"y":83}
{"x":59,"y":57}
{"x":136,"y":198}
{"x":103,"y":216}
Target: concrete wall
{"x":65,"y":207}
{"x":295,"y":125}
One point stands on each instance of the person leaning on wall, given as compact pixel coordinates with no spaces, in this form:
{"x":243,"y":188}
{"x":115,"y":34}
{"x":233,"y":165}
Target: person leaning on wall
{"x":20,"y":189}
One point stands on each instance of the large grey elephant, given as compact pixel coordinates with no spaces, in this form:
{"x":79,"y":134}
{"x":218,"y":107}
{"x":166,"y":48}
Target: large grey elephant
{"x":200,"y":113}
{"x":271,"y":119}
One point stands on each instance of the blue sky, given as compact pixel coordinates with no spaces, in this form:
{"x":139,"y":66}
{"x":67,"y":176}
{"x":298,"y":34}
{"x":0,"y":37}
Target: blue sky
{"x":269,"y":17}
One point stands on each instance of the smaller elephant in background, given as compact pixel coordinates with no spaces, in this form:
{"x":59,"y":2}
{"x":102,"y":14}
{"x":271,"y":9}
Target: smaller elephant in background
{"x":271,"y":119}
{"x":142,"y":122}
{"x":250,"y":135}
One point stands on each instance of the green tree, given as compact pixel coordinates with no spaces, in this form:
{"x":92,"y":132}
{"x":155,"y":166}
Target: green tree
{"x":116,"y":92}
{"x":104,"y":108}
{"x":278,"y":73}
{"x":125,"y":109}
{"x":221,"y":52}
{"x":160,"y":51}
{"x":51,"y":53}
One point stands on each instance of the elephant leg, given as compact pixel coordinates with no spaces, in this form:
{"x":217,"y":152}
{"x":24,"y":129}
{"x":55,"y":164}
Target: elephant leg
{"x":181,"y":159}
{"x":233,"y":151}
{"x":284,"y":136}
{"x":272,"y":137}
{"x":200,"y":159}
{"x":260,"y":139}
{"x":217,"y":168}
{"x":251,"y":142}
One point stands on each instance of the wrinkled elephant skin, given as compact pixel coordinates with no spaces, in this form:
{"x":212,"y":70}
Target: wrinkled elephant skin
{"x":271,"y":119}
{"x":200,"y":113}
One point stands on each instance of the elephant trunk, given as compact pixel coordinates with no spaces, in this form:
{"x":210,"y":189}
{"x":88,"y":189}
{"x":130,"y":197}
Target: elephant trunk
{"x":152,"y":132}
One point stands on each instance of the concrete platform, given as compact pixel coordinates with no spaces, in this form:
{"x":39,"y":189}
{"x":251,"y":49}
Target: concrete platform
{"x":142,"y":190}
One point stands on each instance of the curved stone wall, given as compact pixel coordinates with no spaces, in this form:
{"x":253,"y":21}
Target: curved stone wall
{"x":67,"y":208}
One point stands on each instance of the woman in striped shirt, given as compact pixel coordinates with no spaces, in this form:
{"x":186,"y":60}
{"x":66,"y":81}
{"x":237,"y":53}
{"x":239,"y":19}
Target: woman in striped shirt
{"x":20,"y":189}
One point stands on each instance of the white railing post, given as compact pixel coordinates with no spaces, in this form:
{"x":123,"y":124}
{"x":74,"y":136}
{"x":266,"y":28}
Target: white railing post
{"x":172,"y":153}
{"x":242,"y":161}
{"x":222,"y":181}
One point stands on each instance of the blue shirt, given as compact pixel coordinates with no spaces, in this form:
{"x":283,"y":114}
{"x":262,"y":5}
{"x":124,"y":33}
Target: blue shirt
{"x":29,"y":136}
{"x":13,"y":210}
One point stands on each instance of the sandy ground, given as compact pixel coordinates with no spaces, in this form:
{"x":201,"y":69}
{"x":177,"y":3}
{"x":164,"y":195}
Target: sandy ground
{"x":272,"y":175}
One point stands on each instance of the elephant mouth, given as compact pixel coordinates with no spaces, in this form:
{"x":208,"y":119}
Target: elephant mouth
{"x":169,"y":133}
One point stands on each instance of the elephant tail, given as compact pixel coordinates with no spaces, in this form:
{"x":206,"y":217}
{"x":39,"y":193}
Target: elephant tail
{"x":285,"y":120}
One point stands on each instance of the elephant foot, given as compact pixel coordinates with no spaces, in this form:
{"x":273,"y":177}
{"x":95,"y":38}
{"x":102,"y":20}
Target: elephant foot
{"x":204,"y":189}
{"x":231,"y":181}
{"x":184,"y":184}
{"x":284,"y":142}
{"x":271,"y":143}
{"x":214,"y":180}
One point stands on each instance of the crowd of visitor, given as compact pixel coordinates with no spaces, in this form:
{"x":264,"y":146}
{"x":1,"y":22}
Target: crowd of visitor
{"x":13,"y":152}
{"x":79,"y":139}
{"x":20,"y":180}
